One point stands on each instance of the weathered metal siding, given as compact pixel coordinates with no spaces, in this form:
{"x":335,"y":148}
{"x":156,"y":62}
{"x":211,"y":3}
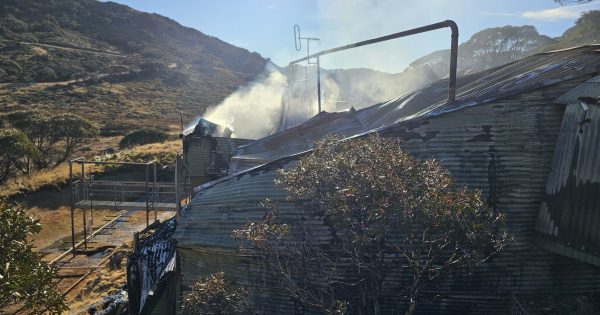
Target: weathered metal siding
{"x":569,"y":217}
{"x":502,"y":145}
{"x":202,"y":154}
{"x":296,"y":139}
{"x":506,"y":151}
{"x":503,"y":148}
{"x":206,"y":245}
{"x":589,"y":88}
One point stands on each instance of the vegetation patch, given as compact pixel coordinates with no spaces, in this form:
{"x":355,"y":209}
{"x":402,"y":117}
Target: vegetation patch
{"x":143,"y":136}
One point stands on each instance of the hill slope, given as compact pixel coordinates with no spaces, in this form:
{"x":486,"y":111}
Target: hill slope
{"x":107,"y":61}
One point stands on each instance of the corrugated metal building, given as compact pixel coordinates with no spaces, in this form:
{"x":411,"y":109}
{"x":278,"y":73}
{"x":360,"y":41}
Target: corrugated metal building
{"x":569,"y":219}
{"x":207,"y":149}
{"x":499,"y":136}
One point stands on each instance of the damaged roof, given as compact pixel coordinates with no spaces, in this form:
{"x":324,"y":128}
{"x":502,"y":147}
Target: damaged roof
{"x":533,"y":72}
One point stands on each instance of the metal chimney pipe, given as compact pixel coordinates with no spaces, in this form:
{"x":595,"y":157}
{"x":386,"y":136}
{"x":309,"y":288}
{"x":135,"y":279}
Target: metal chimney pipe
{"x":453,"y":48}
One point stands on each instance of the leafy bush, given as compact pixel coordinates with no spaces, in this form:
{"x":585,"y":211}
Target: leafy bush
{"x":17,"y":151}
{"x":142,"y":136}
{"x":24,"y":276}
{"x":385,"y":209}
{"x":215,"y":295}
{"x":54,"y":135}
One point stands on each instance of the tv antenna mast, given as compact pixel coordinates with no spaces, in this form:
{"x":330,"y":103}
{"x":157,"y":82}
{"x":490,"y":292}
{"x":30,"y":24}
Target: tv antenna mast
{"x":298,"y":44}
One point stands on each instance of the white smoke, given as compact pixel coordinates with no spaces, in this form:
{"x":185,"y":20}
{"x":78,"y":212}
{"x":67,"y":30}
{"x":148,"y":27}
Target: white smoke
{"x":254,"y":110}
{"x":281,"y":98}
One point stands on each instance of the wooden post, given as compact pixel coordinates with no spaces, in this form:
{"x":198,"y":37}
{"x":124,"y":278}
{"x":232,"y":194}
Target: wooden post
{"x":83,"y":208}
{"x":147,"y":204}
{"x":72,"y":208}
{"x":177,"y":179}
{"x":156,"y":192}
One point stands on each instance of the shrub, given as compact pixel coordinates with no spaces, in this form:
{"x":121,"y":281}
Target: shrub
{"x":215,"y":295}
{"x":385,"y":209}
{"x":142,"y":136}
{"x":24,"y":276}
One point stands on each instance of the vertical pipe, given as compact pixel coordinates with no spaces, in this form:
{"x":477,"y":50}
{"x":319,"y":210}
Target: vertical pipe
{"x":453,"y":60}
{"x":115,"y":195}
{"x":147,"y":205}
{"x":91,"y":192}
{"x":177,"y":179}
{"x":72,"y":208}
{"x":453,"y":48}
{"x":83,"y":208}
{"x":319,"y":84}
{"x":156,"y":192}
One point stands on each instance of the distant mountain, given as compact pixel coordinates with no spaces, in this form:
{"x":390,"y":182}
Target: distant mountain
{"x":117,"y":65}
{"x":586,"y":31}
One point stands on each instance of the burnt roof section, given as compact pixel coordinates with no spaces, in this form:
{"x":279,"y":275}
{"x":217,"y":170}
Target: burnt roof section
{"x":205,"y":127}
{"x":533,"y":72}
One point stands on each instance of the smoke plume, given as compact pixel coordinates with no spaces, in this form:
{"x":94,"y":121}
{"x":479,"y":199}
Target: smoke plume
{"x":281,"y":98}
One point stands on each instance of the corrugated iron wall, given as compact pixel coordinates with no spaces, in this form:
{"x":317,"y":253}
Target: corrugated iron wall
{"x":204,"y":155}
{"x":569,"y":217}
{"x":504,"y":148}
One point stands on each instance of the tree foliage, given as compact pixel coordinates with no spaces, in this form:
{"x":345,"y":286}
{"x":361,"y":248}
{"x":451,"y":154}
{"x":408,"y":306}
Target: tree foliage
{"x":54,"y":135}
{"x":497,"y":46}
{"x":585,"y":32}
{"x":24,"y":276}
{"x":386,"y":210}
{"x":72,"y":131}
{"x":17,"y":149}
{"x":215,"y":295}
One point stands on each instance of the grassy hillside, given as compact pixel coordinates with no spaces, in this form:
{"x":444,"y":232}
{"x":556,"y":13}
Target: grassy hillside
{"x":115,"y":65}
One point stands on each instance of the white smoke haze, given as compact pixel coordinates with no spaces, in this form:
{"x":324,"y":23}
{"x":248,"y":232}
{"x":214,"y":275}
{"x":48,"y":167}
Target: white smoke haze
{"x":284,"y":97}
{"x":281,"y":98}
{"x":254,"y":110}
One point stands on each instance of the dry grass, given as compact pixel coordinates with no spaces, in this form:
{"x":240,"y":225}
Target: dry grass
{"x":163,"y":153}
{"x":106,"y":281}
{"x":48,"y":178}
{"x":43,"y":178}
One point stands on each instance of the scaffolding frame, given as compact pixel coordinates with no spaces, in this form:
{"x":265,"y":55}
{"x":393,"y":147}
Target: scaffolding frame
{"x":148,"y":191}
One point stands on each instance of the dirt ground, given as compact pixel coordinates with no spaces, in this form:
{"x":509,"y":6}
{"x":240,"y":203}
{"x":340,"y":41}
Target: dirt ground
{"x":52,"y":208}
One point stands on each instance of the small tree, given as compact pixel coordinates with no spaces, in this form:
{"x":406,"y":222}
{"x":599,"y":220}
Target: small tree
{"x":215,"y":295}
{"x":24,"y":276}
{"x":54,"y":136}
{"x":386,"y":210}
{"x":71,"y":130}
{"x":16,"y":151}
{"x":36,"y":125}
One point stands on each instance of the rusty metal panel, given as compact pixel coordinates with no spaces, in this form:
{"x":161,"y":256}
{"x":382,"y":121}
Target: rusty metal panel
{"x":202,"y":153}
{"x":299,"y":138}
{"x":589,"y":88}
{"x":569,"y":216}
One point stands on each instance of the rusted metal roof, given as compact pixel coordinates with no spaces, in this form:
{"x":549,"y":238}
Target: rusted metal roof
{"x":533,"y":72}
{"x":590,"y":88}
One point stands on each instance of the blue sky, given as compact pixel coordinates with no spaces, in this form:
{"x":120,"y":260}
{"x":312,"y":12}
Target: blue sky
{"x":265,"y":26}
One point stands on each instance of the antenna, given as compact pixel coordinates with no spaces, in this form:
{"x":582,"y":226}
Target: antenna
{"x":298,"y":45}
{"x":297,"y":41}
